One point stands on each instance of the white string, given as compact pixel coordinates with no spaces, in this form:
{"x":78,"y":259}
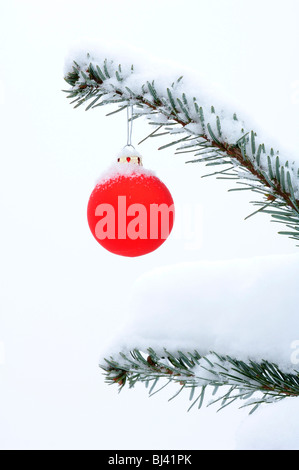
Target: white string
{"x":129,"y":125}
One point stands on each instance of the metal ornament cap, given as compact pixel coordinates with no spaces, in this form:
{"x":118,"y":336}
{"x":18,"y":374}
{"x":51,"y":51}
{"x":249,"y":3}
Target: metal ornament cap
{"x":129,"y":155}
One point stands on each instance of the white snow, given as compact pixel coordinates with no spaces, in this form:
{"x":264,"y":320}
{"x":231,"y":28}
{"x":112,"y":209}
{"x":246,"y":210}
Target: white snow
{"x":245,"y":308}
{"x":271,"y":427}
{"x":128,"y":151}
{"x":117,"y":169}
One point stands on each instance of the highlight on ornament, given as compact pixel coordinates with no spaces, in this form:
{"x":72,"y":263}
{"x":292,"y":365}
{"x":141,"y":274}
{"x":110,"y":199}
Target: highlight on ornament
{"x":130,"y":211}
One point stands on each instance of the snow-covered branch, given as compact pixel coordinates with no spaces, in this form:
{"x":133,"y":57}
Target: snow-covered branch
{"x":214,"y":136}
{"x":229,"y":324}
{"x":252,"y":382}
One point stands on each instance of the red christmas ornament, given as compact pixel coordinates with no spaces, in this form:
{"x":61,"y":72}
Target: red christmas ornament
{"x":130,"y":211}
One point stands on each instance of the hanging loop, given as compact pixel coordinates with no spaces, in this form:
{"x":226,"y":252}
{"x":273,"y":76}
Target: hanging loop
{"x":129,"y":154}
{"x":129,"y":124}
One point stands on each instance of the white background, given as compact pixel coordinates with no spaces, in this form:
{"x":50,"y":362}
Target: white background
{"x":62,"y":295}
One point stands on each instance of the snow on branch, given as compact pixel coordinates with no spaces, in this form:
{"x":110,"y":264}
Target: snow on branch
{"x":251,"y":382}
{"x":214,"y":136}
{"x":213,"y":323}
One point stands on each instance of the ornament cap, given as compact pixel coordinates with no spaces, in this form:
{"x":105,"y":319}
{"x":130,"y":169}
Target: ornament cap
{"x":129,"y":155}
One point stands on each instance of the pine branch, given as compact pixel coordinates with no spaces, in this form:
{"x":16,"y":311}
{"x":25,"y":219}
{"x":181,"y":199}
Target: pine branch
{"x":253,"y":383}
{"x":244,"y":159}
